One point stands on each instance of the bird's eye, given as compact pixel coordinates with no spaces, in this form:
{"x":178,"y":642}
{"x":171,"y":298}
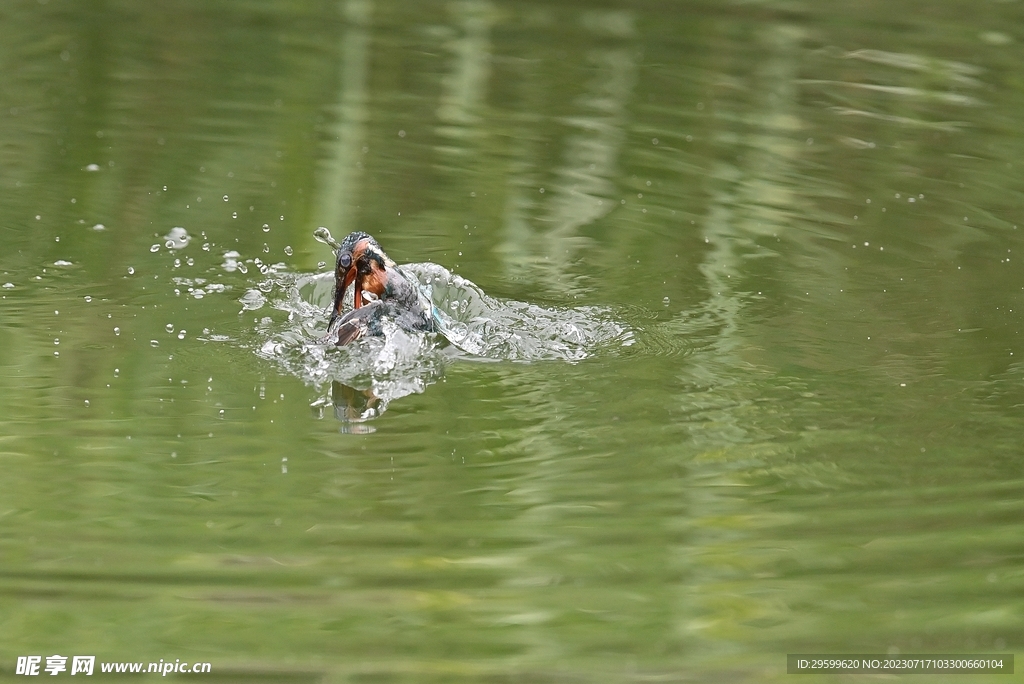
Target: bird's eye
{"x":345,"y":260}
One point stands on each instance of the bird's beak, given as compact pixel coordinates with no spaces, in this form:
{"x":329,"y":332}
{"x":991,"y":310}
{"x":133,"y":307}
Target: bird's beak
{"x":357,"y":296}
{"x":339,"y":294}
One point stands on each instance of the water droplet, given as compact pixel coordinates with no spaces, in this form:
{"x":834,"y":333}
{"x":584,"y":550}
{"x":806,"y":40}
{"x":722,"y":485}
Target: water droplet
{"x":88,"y":298}
{"x":131,"y":270}
{"x":154,"y":248}
{"x":225,"y":198}
{"x":177,"y":238}
{"x":154,"y":343}
{"x":117,"y":331}
{"x":288,"y":250}
{"x":99,"y":226}
{"x":234,"y":214}
{"x":665,"y":301}
{"x":56,"y":340}
{"x":169,"y":327}
{"x":266,"y":227}
{"x":181,"y":334}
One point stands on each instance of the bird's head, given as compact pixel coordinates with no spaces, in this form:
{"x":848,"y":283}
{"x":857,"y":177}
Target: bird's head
{"x":360,"y":260}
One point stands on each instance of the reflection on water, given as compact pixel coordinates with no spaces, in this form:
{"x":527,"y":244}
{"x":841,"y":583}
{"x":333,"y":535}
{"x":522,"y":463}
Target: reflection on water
{"x":346,"y":135}
{"x":581,"y":190}
{"x":729,"y":366}
{"x":352,"y":406}
{"x":464,"y":89}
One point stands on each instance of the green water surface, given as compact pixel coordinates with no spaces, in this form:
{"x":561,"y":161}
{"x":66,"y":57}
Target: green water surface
{"x":806,"y":212}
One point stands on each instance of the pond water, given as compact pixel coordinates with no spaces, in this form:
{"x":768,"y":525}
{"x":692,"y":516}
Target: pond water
{"x":774,"y":245}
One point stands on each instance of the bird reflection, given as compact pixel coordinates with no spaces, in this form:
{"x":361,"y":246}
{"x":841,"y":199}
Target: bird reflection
{"x":353,"y":406}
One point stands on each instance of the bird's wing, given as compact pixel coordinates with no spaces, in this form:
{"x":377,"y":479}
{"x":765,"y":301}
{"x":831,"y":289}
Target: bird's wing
{"x":352,"y":325}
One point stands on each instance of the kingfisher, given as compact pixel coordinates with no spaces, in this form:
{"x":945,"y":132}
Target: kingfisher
{"x":381,"y":288}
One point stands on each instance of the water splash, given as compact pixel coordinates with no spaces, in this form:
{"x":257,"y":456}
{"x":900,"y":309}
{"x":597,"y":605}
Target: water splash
{"x":362,"y":378}
{"x":508,"y":330}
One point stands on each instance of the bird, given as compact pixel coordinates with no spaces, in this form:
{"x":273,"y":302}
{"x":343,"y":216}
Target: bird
{"x":381,"y":289}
